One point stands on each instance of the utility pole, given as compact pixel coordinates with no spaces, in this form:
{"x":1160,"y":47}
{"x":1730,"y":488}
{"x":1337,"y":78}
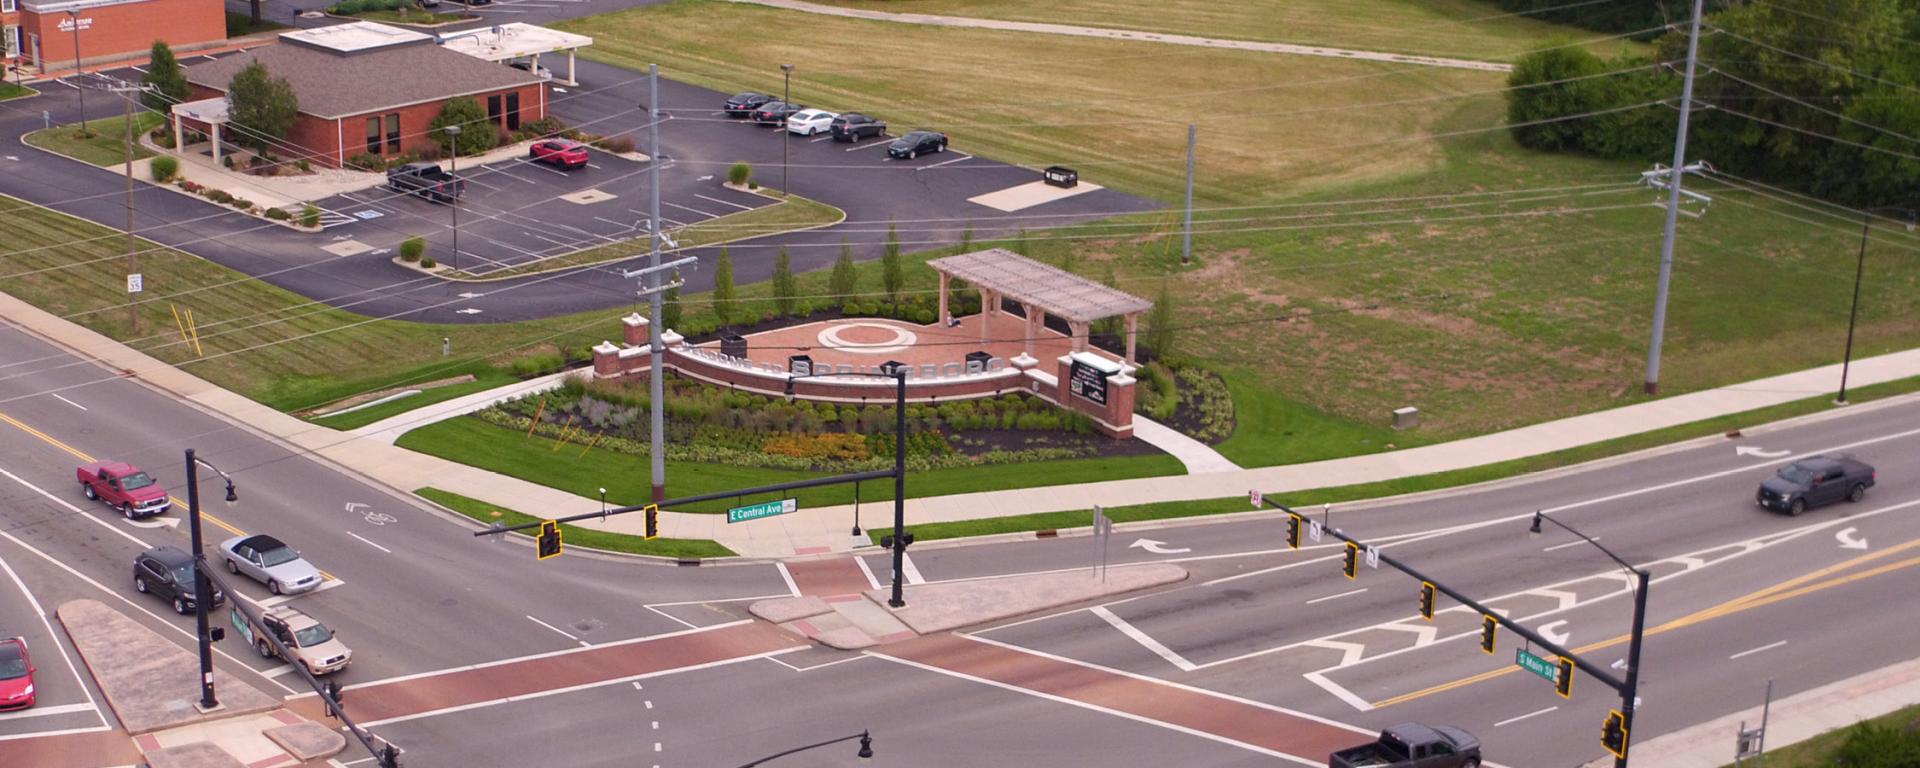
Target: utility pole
{"x":133,"y":264}
{"x":1673,"y":207}
{"x":656,"y":388}
{"x":453,"y":143}
{"x":786,"y":136}
{"x":73,"y":15}
{"x":1186,"y":235}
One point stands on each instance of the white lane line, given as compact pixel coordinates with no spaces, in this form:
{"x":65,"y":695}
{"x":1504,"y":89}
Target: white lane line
{"x":684,"y":208}
{"x":1339,"y":692}
{"x":1750,"y":652}
{"x":1133,"y":633}
{"x":278,"y":671}
{"x":46,"y":734}
{"x":787,"y":576}
{"x":369,"y":543}
{"x":866,"y":569}
{"x":54,"y":638}
{"x":76,"y":510}
{"x":683,"y":622}
{"x":1568,"y":544}
{"x":723,"y":202}
{"x":1336,"y":597}
{"x":945,"y":162}
{"x":70,"y":402}
{"x":529,"y":657}
{"x":59,"y":709}
{"x":911,"y":571}
{"x":1511,"y":720}
{"x":557,"y":629}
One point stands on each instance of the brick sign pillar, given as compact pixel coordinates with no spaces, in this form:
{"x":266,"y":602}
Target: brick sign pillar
{"x":1114,"y":418}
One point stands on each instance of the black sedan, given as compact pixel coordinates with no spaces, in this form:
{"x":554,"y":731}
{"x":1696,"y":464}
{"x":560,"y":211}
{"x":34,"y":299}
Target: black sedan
{"x":1813,"y":481}
{"x":917,"y":143}
{"x":853,"y":126}
{"x":776,"y":112}
{"x":743,"y":105}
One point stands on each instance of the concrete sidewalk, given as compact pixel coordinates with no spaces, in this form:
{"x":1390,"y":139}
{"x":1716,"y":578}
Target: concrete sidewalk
{"x":391,"y":428}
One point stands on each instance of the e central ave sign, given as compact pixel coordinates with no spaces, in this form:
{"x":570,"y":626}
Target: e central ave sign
{"x":765,"y":509}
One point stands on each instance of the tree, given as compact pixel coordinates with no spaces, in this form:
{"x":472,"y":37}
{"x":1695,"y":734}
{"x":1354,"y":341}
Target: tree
{"x":1021,"y":245}
{"x":723,"y":291}
{"x":966,"y":239}
{"x":1538,"y":95}
{"x":845,"y":279}
{"x":1159,"y":336}
{"x":477,"y":134}
{"x":892,"y":276}
{"x":784,"y":289}
{"x":169,"y":83}
{"x":262,"y":105}
{"x":670,"y":309}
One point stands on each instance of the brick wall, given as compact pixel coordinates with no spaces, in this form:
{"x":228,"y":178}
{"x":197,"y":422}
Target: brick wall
{"x":112,"y":32}
{"x":330,"y":142}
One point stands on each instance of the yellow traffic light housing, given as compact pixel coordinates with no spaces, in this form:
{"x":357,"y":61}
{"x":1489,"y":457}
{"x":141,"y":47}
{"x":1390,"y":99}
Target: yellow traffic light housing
{"x":1426,"y":600}
{"x":1563,"y":684}
{"x":1613,"y":735}
{"x":1489,"y":627}
{"x":1352,"y":565}
{"x":549,"y":539}
{"x":653,"y":521}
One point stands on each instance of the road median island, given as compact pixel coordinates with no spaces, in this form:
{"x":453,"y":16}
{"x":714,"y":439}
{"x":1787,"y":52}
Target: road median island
{"x":951,"y":605}
{"x":150,"y":682}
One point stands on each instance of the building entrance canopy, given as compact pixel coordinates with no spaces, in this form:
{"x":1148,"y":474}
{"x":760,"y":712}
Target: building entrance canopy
{"x":1041,"y":289}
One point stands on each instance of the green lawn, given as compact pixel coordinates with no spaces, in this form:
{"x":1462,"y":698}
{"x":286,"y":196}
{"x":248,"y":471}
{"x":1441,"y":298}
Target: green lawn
{"x":485,"y":377}
{"x":1454,"y":479}
{"x":785,"y":215}
{"x":476,"y":443}
{"x":574,"y":536}
{"x":241,"y":25}
{"x":1818,"y":752}
{"x":1455,"y":28}
{"x":105,"y":143}
{"x":11,"y":91}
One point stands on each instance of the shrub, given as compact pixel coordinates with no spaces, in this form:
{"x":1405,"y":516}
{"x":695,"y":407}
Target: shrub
{"x":367,"y":161}
{"x":413,"y":248}
{"x":739,"y":173}
{"x":303,"y":165}
{"x":618,"y":144}
{"x":923,"y":316}
{"x":226,"y":160}
{"x":219,"y":196}
{"x":278,"y":214}
{"x":1873,"y":746}
{"x":242,"y":204}
{"x":165,"y":168}
{"x":310,"y":216}
{"x":428,"y":262}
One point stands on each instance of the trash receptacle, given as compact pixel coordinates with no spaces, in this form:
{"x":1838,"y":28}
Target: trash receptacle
{"x":800,"y":365}
{"x":1061,"y":176}
{"x":977,"y":361}
{"x":733,"y":344}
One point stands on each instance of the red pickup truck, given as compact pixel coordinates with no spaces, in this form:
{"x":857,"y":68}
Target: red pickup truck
{"x":124,"y":487}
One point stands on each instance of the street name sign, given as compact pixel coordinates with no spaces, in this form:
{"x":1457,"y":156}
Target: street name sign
{"x":764,"y":509}
{"x":1545,"y":669}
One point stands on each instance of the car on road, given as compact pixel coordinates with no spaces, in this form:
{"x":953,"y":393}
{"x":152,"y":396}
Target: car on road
{"x":917,"y":143}
{"x":1412,"y":745}
{"x":565,"y":153}
{"x":776,"y":112}
{"x":1815,"y":480}
{"x":16,"y":675}
{"x":808,"y":122}
{"x":124,"y":487}
{"x":743,"y":104}
{"x":167,"y":573}
{"x":310,"y":643}
{"x":853,"y":126}
{"x":270,"y":561}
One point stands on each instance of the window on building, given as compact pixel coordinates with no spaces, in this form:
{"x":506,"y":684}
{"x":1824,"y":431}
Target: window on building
{"x":10,"y":40}
{"x":393,"y":132}
{"x":373,"y":135}
{"x":493,"y":108}
{"x":513,"y":111}
{"x":7,"y":6}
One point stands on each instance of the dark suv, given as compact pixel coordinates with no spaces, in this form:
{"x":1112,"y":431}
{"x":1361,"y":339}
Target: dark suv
{"x":854,"y":126}
{"x":1813,"y":481}
{"x":168,"y":572}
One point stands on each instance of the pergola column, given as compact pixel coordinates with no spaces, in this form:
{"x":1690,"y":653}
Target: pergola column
{"x":571,"y":79}
{"x":946,"y":319}
{"x":1079,"y":330}
{"x":215,"y":126}
{"x":989,"y":306}
{"x":1033,"y":322}
{"x":179,"y":136}
{"x":1133,"y":330}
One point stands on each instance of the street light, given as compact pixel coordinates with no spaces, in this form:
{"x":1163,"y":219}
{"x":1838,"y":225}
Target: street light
{"x":898,"y":373}
{"x":786,"y":136}
{"x":865,"y":754}
{"x":1630,"y":694}
{"x":73,"y":15}
{"x":453,"y":141}
{"x":202,"y":589}
{"x":1859,"y":268}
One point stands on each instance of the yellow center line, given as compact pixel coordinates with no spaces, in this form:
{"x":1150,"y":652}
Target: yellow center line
{"x":1761,"y":598}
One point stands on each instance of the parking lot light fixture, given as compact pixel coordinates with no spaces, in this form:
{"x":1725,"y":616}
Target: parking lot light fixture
{"x":786,"y":136}
{"x":453,"y":143}
{"x":202,"y":587}
{"x":73,"y":16}
{"x":1630,"y":694}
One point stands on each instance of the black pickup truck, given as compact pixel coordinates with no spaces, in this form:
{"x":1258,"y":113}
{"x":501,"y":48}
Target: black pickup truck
{"x":1412,"y":745}
{"x":425,"y":180}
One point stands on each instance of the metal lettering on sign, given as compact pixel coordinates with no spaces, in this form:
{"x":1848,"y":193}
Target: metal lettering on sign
{"x":1313,"y":530}
{"x":136,"y":283}
{"x":1373,"y":558}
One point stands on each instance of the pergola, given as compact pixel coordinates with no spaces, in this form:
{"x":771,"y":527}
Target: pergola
{"x":212,"y":112}
{"x":1041,"y":289}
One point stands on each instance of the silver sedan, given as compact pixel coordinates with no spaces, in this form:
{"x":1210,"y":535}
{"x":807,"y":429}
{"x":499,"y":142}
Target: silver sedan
{"x":271,"y":561}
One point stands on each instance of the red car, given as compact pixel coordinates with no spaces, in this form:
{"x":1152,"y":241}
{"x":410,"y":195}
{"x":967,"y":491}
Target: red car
{"x":16,"y":675}
{"x":124,"y":487}
{"x":561,"y":152}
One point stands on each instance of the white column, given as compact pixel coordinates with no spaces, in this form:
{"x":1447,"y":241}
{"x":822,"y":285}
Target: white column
{"x":571,"y":80}
{"x":946,"y":281}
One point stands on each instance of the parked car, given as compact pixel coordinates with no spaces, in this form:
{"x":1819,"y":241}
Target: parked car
{"x":16,"y":675}
{"x":1412,"y":745}
{"x":743,"y":104}
{"x":270,"y":561}
{"x":808,"y":122}
{"x":167,"y":572}
{"x":310,"y":643}
{"x":533,"y":69}
{"x":425,"y":180}
{"x":1815,"y":480}
{"x":776,"y":112}
{"x":565,"y":153}
{"x":124,"y":487}
{"x":853,"y":126}
{"x":917,"y":143}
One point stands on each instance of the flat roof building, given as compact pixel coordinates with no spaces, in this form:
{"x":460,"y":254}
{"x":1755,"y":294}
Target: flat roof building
{"x":40,"y":37}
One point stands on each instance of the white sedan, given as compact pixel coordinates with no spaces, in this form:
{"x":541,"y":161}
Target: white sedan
{"x":808,"y":122}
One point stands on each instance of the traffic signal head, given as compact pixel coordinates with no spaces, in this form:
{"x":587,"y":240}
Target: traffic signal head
{"x":549,"y":539}
{"x":1426,"y":600}
{"x":1613,"y":735}
{"x":1352,"y":564}
{"x":653,"y":521}
{"x":1293,"y":531}
{"x":1563,"y":683}
{"x":1489,"y":626}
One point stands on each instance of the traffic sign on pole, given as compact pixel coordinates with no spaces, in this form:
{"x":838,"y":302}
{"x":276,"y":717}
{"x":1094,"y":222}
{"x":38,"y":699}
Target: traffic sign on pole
{"x":1526,"y":660}
{"x":1254,"y":496}
{"x":764,"y":509}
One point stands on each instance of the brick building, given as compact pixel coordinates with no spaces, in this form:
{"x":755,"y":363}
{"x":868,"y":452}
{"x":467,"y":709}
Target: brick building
{"x":365,"y":88}
{"x":40,"y":36}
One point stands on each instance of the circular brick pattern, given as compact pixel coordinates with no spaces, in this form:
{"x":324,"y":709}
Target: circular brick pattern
{"x":867,"y":338}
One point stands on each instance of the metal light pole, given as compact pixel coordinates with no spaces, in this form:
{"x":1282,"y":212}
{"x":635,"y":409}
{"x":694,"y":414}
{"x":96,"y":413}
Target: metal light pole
{"x":865,"y":754}
{"x":453,"y":135}
{"x":202,"y":589}
{"x":1859,"y":269}
{"x":786,"y":136}
{"x":1186,"y":233}
{"x":899,"y":539}
{"x":1629,"y":695}
{"x":1652,"y":385}
{"x":656,"y":388}
{"x":73,"y":15}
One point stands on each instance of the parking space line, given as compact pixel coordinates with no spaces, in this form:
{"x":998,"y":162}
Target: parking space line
{"x":946,"y":162}
{"x":828,"y":137}
{"x":723,"y":202}
{"x":624,"y":227}
{"x":695,"y":210}
{"x":55,"y":639}
{"x":866,"y":146}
